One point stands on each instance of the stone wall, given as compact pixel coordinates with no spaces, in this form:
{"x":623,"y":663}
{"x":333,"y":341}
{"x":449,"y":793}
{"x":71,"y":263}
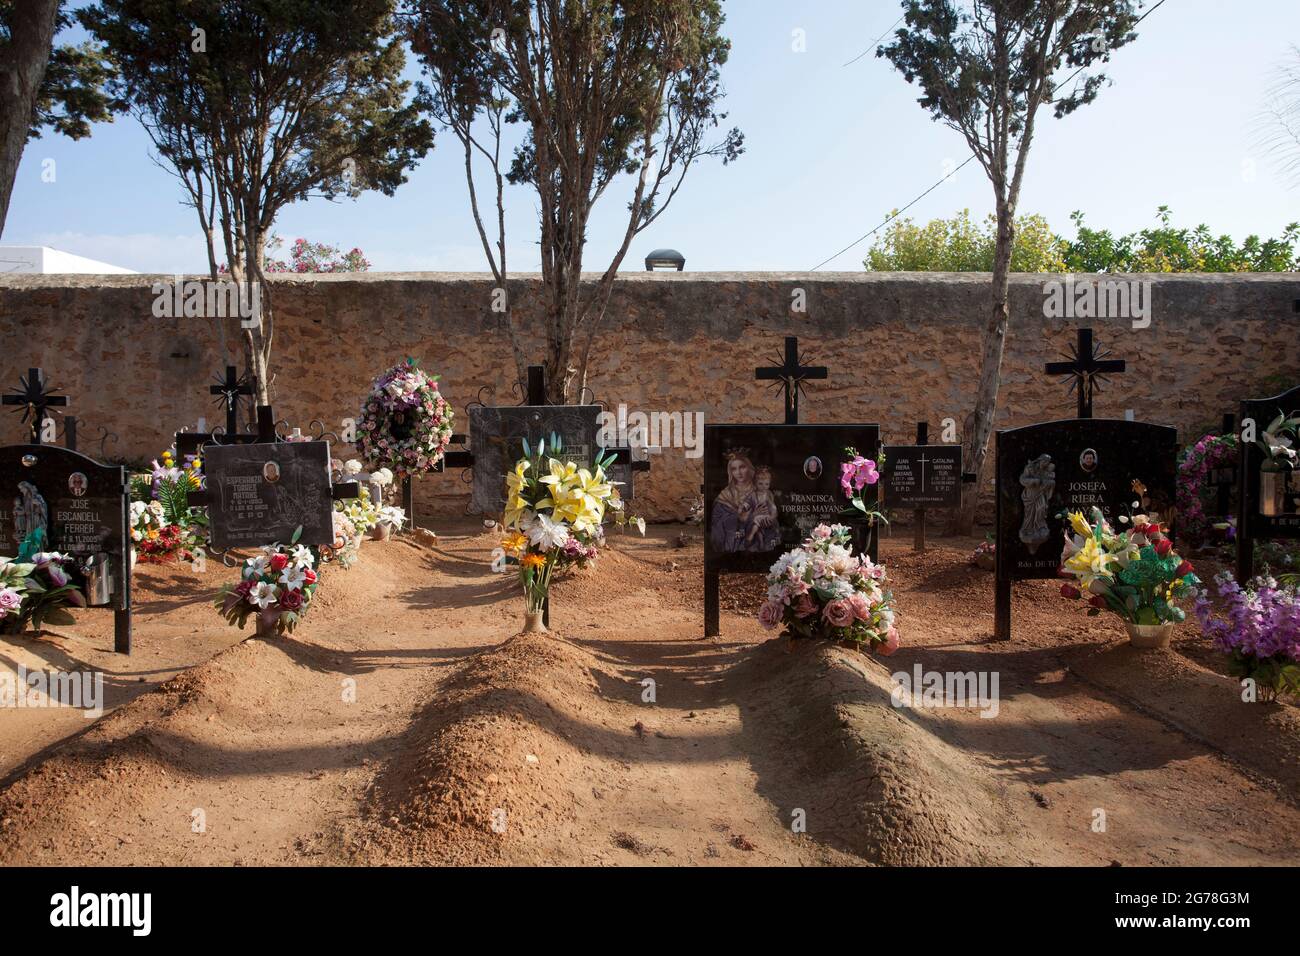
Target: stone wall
{"x":901,"y":348}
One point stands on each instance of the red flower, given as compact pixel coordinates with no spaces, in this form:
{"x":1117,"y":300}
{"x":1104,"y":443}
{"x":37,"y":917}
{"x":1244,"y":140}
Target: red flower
{"x":309,"y":576}
{"x":1069,"y":591}
{"x":291,"y":600}
{"x":1097,"y":601}
{"x":1183,"y":569}
{"x":1163,"y":546}
{"x":279,"y":562}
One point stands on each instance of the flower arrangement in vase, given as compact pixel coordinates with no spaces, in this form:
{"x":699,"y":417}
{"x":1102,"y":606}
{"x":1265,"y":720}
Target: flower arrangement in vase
{"x":163,"y":525}
{"x":554,"y":521}
{"x":36,"y":587}
{"x":1277,"y":470}
{"x":1259,"y":631}
{"x":405,"y":423}
{"x":1135,"y":574}
{"x":821,"y":589}
{"x":276,"y":587}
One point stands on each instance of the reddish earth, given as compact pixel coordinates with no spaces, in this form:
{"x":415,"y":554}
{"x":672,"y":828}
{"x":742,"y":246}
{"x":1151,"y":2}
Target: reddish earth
{"x":404,"y":724}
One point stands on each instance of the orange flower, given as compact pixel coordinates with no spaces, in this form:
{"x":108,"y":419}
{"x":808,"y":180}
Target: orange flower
{"x":534,"y":560}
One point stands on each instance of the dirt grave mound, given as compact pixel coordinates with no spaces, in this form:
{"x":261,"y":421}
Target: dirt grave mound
{"x":496,"y":756}
{"x":873,"y":780}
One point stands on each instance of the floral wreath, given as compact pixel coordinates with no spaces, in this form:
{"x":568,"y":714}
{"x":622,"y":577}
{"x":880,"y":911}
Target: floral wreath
{"x":1208,"y":455}
{"x":405,"y":423}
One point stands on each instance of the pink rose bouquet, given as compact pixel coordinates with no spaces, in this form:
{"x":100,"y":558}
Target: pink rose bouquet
{"x":822,"y":589}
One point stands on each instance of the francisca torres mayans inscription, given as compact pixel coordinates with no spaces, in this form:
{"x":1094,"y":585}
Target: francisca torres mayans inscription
{"x":767,"y":486}
{"x":262,"y":493}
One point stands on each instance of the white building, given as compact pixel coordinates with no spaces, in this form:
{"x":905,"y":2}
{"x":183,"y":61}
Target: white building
{"x":43,"y":260}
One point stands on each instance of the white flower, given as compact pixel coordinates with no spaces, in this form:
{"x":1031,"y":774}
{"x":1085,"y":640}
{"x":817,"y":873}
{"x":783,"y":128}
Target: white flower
{"x":384,"y":476}
{"x":301,"y":556}
{"x":254,"y":567}
{"x":352,"y":467}
{"x":156,"y":507}
{"x":263,"y":595}
{"x":293,"y":578}
{"x":545,"y":534}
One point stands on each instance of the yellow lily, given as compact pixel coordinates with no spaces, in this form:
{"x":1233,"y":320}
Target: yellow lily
{"x":1090,"y":563}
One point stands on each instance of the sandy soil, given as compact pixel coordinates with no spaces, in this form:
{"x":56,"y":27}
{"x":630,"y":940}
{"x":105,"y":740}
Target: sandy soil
{"x":404,"y":724}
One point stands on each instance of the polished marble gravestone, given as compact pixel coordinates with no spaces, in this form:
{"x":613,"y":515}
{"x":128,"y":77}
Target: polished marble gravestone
{"x":767,"y":486}
{"x":1268,"y":503}
{"x":1049,"y":469}
{"x":261,"y":493}
{"x":922,"y":476}
{"x":496,"y":440}
{"x":83,"y":507}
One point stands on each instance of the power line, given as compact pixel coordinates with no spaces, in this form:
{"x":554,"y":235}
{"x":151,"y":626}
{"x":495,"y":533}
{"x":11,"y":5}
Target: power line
{"x":894,"y":215}
{"x":875,"y":41}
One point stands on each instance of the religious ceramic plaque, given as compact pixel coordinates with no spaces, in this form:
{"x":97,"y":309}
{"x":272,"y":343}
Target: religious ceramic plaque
{"x":496,"y":441}
{"x":767,"y":486}
{"x":1047,"y":470}
{"x":922,"y":476}
{"x":260,"y":494}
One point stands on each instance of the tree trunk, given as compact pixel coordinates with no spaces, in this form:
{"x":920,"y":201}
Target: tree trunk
{"x":979,"y":425}
{"x":31,"y":38}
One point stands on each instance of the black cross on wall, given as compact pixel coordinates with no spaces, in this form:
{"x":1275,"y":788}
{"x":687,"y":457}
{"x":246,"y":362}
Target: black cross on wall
{"x":228,"y":393}
{"x":791,"y":375}
{"x":1087,"y":368}
{"x":34,"y":401}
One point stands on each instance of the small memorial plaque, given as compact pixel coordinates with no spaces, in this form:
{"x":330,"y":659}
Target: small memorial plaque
{"x":922,"y":476}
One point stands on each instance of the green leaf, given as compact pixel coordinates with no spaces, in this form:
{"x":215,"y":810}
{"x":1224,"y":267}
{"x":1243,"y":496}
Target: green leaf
{"x":60,"y":616}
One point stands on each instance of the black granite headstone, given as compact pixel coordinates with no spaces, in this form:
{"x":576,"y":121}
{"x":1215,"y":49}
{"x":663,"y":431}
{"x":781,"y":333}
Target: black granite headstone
{"x":260,"y":494}
{"x":1046,"y":470}
{"x":767,"y":486}
{"x":1268,"y":503}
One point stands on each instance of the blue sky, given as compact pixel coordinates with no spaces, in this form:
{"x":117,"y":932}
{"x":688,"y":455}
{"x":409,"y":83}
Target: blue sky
{"x":830,"y":150}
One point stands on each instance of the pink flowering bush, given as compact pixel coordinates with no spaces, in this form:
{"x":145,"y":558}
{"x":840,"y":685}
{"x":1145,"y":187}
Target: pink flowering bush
{"x":1198,"y":465}
{"x":405,"y":424}
{"x":821,"y":589}
{"x":1259,"y":631}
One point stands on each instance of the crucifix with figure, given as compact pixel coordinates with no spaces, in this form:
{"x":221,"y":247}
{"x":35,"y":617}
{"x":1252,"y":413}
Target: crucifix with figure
{"x":1086,"y":369}
{"x":35,"y":403}
{"x":228,"y":393}
{"x":790,"y":375}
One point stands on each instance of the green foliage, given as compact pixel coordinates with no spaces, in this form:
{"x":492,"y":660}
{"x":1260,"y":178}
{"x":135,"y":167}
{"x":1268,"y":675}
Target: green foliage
{"x":960,"y":244}
{"x":267,"y":102}
{"x":1169,"y":249}
{"x":74,"y":91}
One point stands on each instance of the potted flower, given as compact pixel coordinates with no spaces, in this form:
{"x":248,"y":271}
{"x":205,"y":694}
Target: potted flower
{"x":985,"y":556}
{"x":821,"y":589}
{"x":390,"y":522}
{"x":276,"y":587}
{"x":1135,"y":574}
{"x":163,"y":525}
{"x":1259,"y":630}
{"x":554,"y":521}
{"x":1276,"y":471}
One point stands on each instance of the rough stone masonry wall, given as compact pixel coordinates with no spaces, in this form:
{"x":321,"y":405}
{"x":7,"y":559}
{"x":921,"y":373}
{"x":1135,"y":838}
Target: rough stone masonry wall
{"x":901,"y":348}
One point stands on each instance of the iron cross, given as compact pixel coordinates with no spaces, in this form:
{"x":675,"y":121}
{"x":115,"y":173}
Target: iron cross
{"x":229,"y":392}
{"x":34,"y":401}
{"x":791,"y":375}
{"x":1086,"y":370}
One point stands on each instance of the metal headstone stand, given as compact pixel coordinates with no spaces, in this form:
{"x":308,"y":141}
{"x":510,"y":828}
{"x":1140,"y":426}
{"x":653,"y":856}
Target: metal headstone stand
{"x":918,"y":533}
{"x":1086,"y":371}
{"x":104,"y":584}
